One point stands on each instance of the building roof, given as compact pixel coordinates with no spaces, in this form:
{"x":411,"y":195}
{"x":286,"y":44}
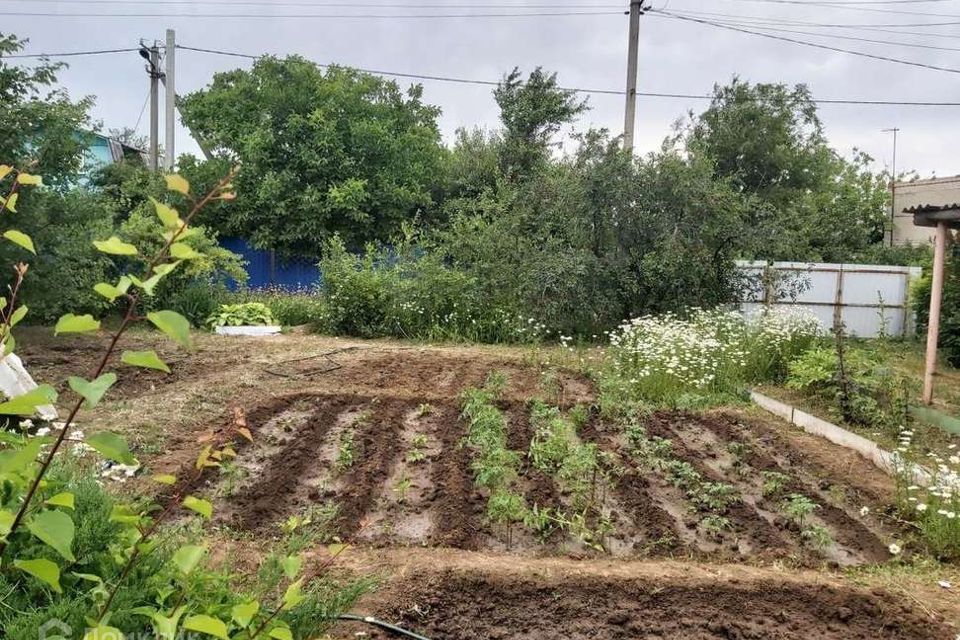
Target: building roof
{"x":932,"y":208}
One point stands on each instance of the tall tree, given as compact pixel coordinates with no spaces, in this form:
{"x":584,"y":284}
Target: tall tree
{"x":320,"y":153}
{"x":532,"y":112}
{"x":807,"y":201}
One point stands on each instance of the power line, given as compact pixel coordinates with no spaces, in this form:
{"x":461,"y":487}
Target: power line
{"x":492,"y":83}
{"x":848,"y":6}
{"x":815,"y":45}
{"x":802,"y":23}
{"x":842,"y":37}
{"x":325,"y":16}
{"x":69,"y":54}
{"x":758,"y":21}
{"x":291,"y":3}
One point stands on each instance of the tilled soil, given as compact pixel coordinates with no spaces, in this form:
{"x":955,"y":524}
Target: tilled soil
{"x":473,"y":605}
{"x":386,"y":497}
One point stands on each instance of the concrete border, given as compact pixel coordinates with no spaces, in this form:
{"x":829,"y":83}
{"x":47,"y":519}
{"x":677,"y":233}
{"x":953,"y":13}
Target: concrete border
{"x":884,"y":460}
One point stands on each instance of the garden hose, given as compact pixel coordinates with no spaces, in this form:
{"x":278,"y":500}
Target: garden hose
{"x":382,"y":625}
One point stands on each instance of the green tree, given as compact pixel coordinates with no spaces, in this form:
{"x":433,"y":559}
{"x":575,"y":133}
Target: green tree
{"x":532,"y":112}
{"x":320,"y":153}
{"x":40,"y":126}
{"x":807,"y":202}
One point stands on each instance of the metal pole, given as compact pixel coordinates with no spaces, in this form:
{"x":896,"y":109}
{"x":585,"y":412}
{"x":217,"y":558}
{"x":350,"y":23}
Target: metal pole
{"x":154,"y":106}
{"x":171,"y":101}
{"x":933,"y":324}
{"x":633,"y":51}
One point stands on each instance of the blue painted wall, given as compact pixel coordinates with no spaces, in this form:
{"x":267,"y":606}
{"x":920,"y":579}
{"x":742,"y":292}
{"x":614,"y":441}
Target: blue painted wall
{"x":265,"y":271}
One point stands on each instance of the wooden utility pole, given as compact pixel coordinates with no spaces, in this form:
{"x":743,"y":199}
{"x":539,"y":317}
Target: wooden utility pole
{"x":633,"y":51}
{"x":933,"y":324}
{"x":170,"y":102}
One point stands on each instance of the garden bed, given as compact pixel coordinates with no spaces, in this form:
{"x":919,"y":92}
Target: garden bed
{"x":393,"y":465}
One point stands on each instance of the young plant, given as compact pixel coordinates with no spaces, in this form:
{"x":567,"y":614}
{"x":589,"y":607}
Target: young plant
{"x":817,"y":536}
{"x":506,"y":508}
{"x":402,"y":487}
{"x":346,"y":453}
{"x":774,"y":483}
{"x":798,"y":508}
{"x":713,"y":496}
{"x":241,"y":315}
{"x":418,"y":449}
{"x":715,"y":525}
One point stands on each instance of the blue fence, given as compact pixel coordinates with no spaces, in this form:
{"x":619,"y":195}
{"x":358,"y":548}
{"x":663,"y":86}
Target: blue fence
{"x":265,"y":269}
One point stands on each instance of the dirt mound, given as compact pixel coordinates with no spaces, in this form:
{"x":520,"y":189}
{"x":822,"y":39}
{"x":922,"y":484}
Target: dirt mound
{"x":465,"y":605}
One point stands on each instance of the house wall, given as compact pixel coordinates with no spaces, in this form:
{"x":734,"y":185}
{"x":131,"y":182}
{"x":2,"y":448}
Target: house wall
{"x":937,"y":191}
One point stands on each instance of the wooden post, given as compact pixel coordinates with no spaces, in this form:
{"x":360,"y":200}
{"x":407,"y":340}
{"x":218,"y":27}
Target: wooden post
{"x":933,"y":324}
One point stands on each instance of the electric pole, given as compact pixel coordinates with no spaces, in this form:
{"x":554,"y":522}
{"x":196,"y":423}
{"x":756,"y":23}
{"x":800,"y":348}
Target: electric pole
{"x":633,"y":50}
{"x":152,"y":56}
{"x":171,"y":101}
{"x":893,"y":181}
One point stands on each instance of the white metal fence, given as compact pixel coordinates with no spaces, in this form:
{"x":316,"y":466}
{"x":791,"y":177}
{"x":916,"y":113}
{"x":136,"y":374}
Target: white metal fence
{"x":868,"y":299}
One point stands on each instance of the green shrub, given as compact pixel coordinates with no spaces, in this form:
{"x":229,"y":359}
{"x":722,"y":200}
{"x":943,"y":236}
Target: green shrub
{"x":409,"y":292}
{"x":949,"y":339}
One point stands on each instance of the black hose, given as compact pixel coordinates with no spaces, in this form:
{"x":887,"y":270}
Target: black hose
{"x":382,"y":625}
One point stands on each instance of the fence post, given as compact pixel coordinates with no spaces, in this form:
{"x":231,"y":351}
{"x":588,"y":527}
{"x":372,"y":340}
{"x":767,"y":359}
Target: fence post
{"x":838,"y":302}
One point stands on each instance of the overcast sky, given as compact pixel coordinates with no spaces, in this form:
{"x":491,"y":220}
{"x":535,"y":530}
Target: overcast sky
{"x":586,"y":50}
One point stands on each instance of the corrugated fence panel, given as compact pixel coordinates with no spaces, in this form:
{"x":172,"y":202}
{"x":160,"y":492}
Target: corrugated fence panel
{"x":265,"y":270}
{"x":872,"y":298}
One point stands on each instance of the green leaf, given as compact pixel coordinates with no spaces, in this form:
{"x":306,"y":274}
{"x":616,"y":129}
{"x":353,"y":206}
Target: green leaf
{"x":165,"y":626}
{"x":54,"y":528}
{"x":111,"y":446}
{"x":89,"y":577}
{"x":11,"y":202}
{"x":165,"y":478}
{"x":168,"y":215}
{"x":21,"y":239}
{"x":18,"y":315}
{"x":183,"y":251}
{"x":188,"y":557}
{"x":70,"y":323}
{"x":208,"y":625}
{"x":9,"y":342}
{"x":115,"y":246}
{"x":243,"y":614}
{"x":6,"y":521}
{"x":27,"y":404}
{"x":293,"y":595}
{"x":28,"y":178}
{"x":173,"y":324}
{"x":40,"y":569}
{"x":92,"y":392}
{"x":146,"y":359}
{"x":16,"y":460}
{"x":107,"y":290}
{"x":177,"y":183}
{"x":5,"y":170}
{"x":202,"y":507}
{"x":124,"y":514}
{"x":281,"y":633}
{"x":103,"y":632}
{"x":64,"y":499}
{"x":292,"y":566}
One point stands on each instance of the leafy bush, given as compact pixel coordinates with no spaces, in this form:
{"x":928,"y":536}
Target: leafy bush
{"x":238,"y":315}
{"x":865,"y":392}
{"x":949,"y":340}
{"x":409,"y":292}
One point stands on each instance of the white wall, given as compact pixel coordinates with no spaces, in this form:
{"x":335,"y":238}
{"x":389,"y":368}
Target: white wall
{"x":866,"y":294}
